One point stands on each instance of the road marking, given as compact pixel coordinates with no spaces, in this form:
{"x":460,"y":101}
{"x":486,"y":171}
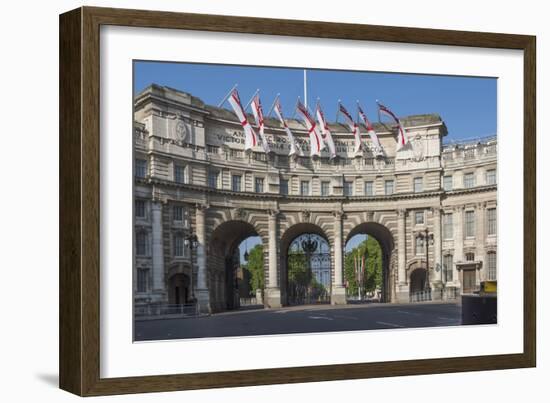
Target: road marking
{"x":444,"y":318}
{"x":345,"y":317}
{"x":319,"y":317}
{"x":389,"y":324}
{"x":409,"y":313}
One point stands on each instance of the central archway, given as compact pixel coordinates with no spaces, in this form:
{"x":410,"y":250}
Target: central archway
{"x":306,"y":265}
{"x":224,"y":263}
{"x":385,"y":239}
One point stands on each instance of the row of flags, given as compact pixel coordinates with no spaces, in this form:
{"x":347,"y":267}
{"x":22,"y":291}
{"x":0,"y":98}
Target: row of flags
{"x":320,"y":136}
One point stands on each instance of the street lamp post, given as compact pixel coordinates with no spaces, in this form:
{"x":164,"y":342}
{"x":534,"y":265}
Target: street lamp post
{"x":191,"y":242}
{"x":428,"y":239}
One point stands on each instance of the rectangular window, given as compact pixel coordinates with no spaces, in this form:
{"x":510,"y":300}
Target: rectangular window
{"x":141,"y":244}
{"x":388,"y":187}
{"x":142,"y":280}
{"x":348,"y":188}
{"x":491,"y":177}
{"x":178,"y":213}
{"x":141,"y":168}
{"x":491,"y":266}
{"x":140,"y":208}
{"x":236,"y":183}
{"x":469,"y":180}
{"x":418,"y":185}
{"x":469,"y":218}
{"x":448,"y":226}
{"x":283,"y":187}
{"x":447,"y":183}
{"x":491,"y":221}
{"x":178,"y":245}
{"x":369,"y":189}
{"x":470,"y":257}
{"x":304,"y":188}
{"x":420,"y":246}
{"x":179,"y":174}
{"x":259,"y":185}
{"x":325,"y":188}
{"x":213,"y":178}
{"x":418,"y":217}
{"x":448,"y":268}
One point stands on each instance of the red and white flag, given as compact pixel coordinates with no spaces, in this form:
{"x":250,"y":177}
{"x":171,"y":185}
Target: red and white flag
{"x":327,"y":136}
{"x":377,"y":147}
{"x":315,"y":141}
{"x":259,"y":117}
{"x":250,"y":137}
{"x":354,"y":129}
{"x":402,"y":138}
{"x":294,"y":147}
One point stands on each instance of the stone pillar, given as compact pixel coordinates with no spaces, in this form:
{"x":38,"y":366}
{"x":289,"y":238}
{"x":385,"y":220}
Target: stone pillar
{"x":402,"y":293}
{"x":273,"y":297}
{"x":458,"y":255}
{"x":338,"y":296}
{"x":159,"y":287}
{"x":203,"y":294}
{"x":480,"y":240}
{"x":437,"y":245}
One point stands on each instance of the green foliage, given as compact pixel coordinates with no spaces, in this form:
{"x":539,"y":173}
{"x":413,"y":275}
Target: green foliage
{"x":373,"y":272}
{"x":298,"y":272}
{"x":255,"y":266}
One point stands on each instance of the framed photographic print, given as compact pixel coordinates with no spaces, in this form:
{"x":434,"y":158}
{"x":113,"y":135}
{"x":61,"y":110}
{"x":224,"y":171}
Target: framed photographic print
{"x":250,"y":201}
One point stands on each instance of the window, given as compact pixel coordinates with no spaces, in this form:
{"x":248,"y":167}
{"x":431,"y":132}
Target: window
{"x":325,"y":188}
{"x":304,"y":188}
{"x":448,"y":268}
{"x":140,"y":208}
{"x":283,"y":187}
{"x":417,"y":185}
{"x":178,"y":213}
{"x":469,"y":180}
{"x":369,"y":189}
{"x":259,"y":156}
{"x":213,"y":177}
{"x":470,"y":257}
{"x":212,"y":149}
{"x":491,"y":266}
{"x":448,"y":183}
{"x":388,"y":187}
{"x":141,"y":244}
{"x":236,"y":183}
{"x":491,"y":221}
{"x":348,"y":188}
{"x":448,"y":226}
{"x":180,"y":174}
{"x":259,"y":185}
{"x":141,"y":168}
{"x":491,"y":177}
{"x":142,"y":279}
{"x":420,"y":245}
{"x":418,"y":217}
{"x":178,"y":245}
{"x":470,"y":223}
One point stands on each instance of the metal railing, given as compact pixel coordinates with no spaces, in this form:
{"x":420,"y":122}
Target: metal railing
{"x":166,"y":309}
{"x":248,"y":301}
{"x":421,"y":296}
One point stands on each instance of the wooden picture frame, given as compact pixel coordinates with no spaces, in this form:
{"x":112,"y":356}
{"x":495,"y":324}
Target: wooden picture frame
{"x":80,"y":200}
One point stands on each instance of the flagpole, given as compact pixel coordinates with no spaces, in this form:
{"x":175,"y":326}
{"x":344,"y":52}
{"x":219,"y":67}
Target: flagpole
{"x":227,"y":96}
{"x":305,"y":88}
{"x":273,"y":104}
{"x":251,"y":99}
{"x":337,"y":111}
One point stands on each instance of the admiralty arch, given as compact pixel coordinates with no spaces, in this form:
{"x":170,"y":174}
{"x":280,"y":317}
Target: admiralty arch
{"x":194,"y":181}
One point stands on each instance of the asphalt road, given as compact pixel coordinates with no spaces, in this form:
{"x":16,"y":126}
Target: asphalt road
{"x":304,"y":319}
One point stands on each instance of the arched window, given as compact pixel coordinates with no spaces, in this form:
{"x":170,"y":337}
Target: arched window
{"x":420,"y":245}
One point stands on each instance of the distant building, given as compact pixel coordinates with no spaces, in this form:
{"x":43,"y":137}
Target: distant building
{"x":192,"y":175}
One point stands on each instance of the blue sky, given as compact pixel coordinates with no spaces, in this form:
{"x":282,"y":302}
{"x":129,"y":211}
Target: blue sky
{"x":466,"y":104}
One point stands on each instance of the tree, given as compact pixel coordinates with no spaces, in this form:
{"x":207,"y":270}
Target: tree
{"x":255,"y":266}
{"x":373,"y":272}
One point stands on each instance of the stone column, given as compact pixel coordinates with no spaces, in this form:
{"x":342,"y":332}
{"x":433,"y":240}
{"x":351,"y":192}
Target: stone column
{"x":273,"y":298}
{"x":458,"y":255}
{"x":437,"y":244}
{"x":402,"y":294}
{"x":480,"y":241}
{"x":159,"y":288}
{"x":338,"y":296}
{"x":203,"y":295}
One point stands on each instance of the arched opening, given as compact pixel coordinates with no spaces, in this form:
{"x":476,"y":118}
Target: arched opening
{"x":306,"y":266}
{"x":417,"y":281}
{"x":232,"y":244}
{"x":179,"y":287}
{"x":367,"y":261}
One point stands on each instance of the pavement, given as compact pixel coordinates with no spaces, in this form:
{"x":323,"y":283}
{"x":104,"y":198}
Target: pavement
{"x":301,"y":319}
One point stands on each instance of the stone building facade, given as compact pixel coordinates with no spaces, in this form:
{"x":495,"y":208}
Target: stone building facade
{"x":193,"y":177}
